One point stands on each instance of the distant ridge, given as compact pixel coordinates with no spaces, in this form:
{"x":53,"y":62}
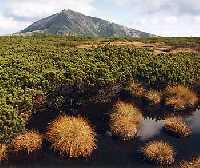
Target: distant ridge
{"x":69,"y":22}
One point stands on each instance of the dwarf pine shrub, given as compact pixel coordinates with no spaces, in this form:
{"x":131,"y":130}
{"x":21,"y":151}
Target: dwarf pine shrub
{"x":10,"y":123}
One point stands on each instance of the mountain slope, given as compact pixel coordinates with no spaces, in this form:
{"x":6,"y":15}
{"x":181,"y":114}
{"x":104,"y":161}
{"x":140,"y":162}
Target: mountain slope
{"x":71,"y":22}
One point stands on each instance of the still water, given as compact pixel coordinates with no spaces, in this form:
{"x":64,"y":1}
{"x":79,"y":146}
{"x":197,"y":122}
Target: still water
{"x":114,"y":153}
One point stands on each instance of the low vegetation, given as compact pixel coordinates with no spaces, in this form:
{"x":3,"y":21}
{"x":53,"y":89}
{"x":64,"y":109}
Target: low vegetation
{"x":159,"y":152}
{"x":27,"y":142}
{"x":137,"y":89}
{"x":72,"y":137}
{"x":43,"y":76}
{"x":3,"y":152}
{"x":10,"y":123}
{"x":154,"y":97}
{"x":124,"y":120}
{"x":177,"y":126}
{"x":194,"y":163}
{"x":180,"y":97}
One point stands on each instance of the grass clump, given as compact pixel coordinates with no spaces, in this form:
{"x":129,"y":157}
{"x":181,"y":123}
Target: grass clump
{"x":72,"y":136}
{"x":27,"y":142}
{"x":180,"y":97}
{"x":153,"y":97}
{"x":176,"y":125}
{"x":3,"y":152}
{"x":124,"y":120}
{"x":194,"y":163}
{"x":159,"y":152}
{"x":136,"y":89}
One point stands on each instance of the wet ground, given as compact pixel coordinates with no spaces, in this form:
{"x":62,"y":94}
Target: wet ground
{"x":113,"y":152}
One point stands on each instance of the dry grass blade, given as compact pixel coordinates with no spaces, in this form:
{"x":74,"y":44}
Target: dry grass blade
{"x":28,"y":142}
{"x":153,"y":96}
{"x":137,"y":89}
{"x":124,"y":120}
{"x":3,"y":152}
{"x":176,"y":125}
{"x":72,"y":136}
{"x":194,"y":163}
{"x":159,"y":152}
{"x":180,"y":97}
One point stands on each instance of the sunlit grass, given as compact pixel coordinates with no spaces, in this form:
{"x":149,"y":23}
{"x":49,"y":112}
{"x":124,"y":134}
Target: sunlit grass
{"x":180,"y":97}
{"x":27,"y":142}
{"x":159,"y":152}
{"x":72,"y":136}
{"x":136,"y":89}
{"x":153,"y":96}
{"x":194,"y":163}
{"x":178,"y":126}
{"x":124,"y":120}
{"x":3,"y":152}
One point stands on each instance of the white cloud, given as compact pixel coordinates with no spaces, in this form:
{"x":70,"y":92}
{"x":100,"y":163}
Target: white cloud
{"x":169,"y":25}
{"x":171,"y":19}
{"x":42,"y":8}
{"x":8,"y":25}
{"x":163,"y":17}
{"x":18,"y":14}
{"x":175,"y":7}
{"x":197,"y":19}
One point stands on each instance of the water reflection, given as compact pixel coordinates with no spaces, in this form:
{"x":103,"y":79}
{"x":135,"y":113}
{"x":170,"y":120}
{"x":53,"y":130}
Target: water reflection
{"x":149,"y":128}
{"x":114,"y":153}
{"x":194,"y":121}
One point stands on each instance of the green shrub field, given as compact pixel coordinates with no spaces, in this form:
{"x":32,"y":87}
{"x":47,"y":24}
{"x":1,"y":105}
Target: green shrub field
{"x":68,"y":75}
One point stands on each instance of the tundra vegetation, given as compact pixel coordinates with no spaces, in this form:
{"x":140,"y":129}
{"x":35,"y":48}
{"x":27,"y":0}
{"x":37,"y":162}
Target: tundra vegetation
{"x":27,"y":142}
{"x":194,"y":163}
{"x":72,"y":137}
{"x":3,"y":152}
{"x":51,"y":79}
{"x":124,"y":120}
{"x":180,"y":97}
{"x":177,"y":126}
{"x":159,"y":152}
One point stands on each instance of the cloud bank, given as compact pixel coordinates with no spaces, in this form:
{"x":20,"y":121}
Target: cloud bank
{"x":164,"y":17}
{"x":17,"y":14}
{"x":30,"y":9}
{"x":161,"y":17}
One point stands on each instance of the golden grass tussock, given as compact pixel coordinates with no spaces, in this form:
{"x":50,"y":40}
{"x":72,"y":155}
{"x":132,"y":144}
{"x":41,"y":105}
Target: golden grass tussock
{"x":72,"y":136}
{"x":177,"y":126}
{"x":124,"y":120}
{"x":153,"y":96}
{"x":137,"y":90}
{"x":194,"y":163}
{"x":180,"y":97}
{"x":28,"y":142}
{"x":3,"y":152}
{"x":159,"y":152}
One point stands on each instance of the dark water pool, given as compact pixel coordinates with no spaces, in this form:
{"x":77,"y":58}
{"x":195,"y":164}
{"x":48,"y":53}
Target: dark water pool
{"x":114,"y":153}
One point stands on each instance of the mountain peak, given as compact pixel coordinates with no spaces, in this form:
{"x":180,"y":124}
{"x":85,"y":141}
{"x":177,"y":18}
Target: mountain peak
{"x":70,"y":12}
{"x":69,"y":21}
{"x":66,"y":11}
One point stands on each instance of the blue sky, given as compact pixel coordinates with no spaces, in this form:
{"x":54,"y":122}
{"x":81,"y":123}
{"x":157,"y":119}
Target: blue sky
{"x":161,"y":17}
